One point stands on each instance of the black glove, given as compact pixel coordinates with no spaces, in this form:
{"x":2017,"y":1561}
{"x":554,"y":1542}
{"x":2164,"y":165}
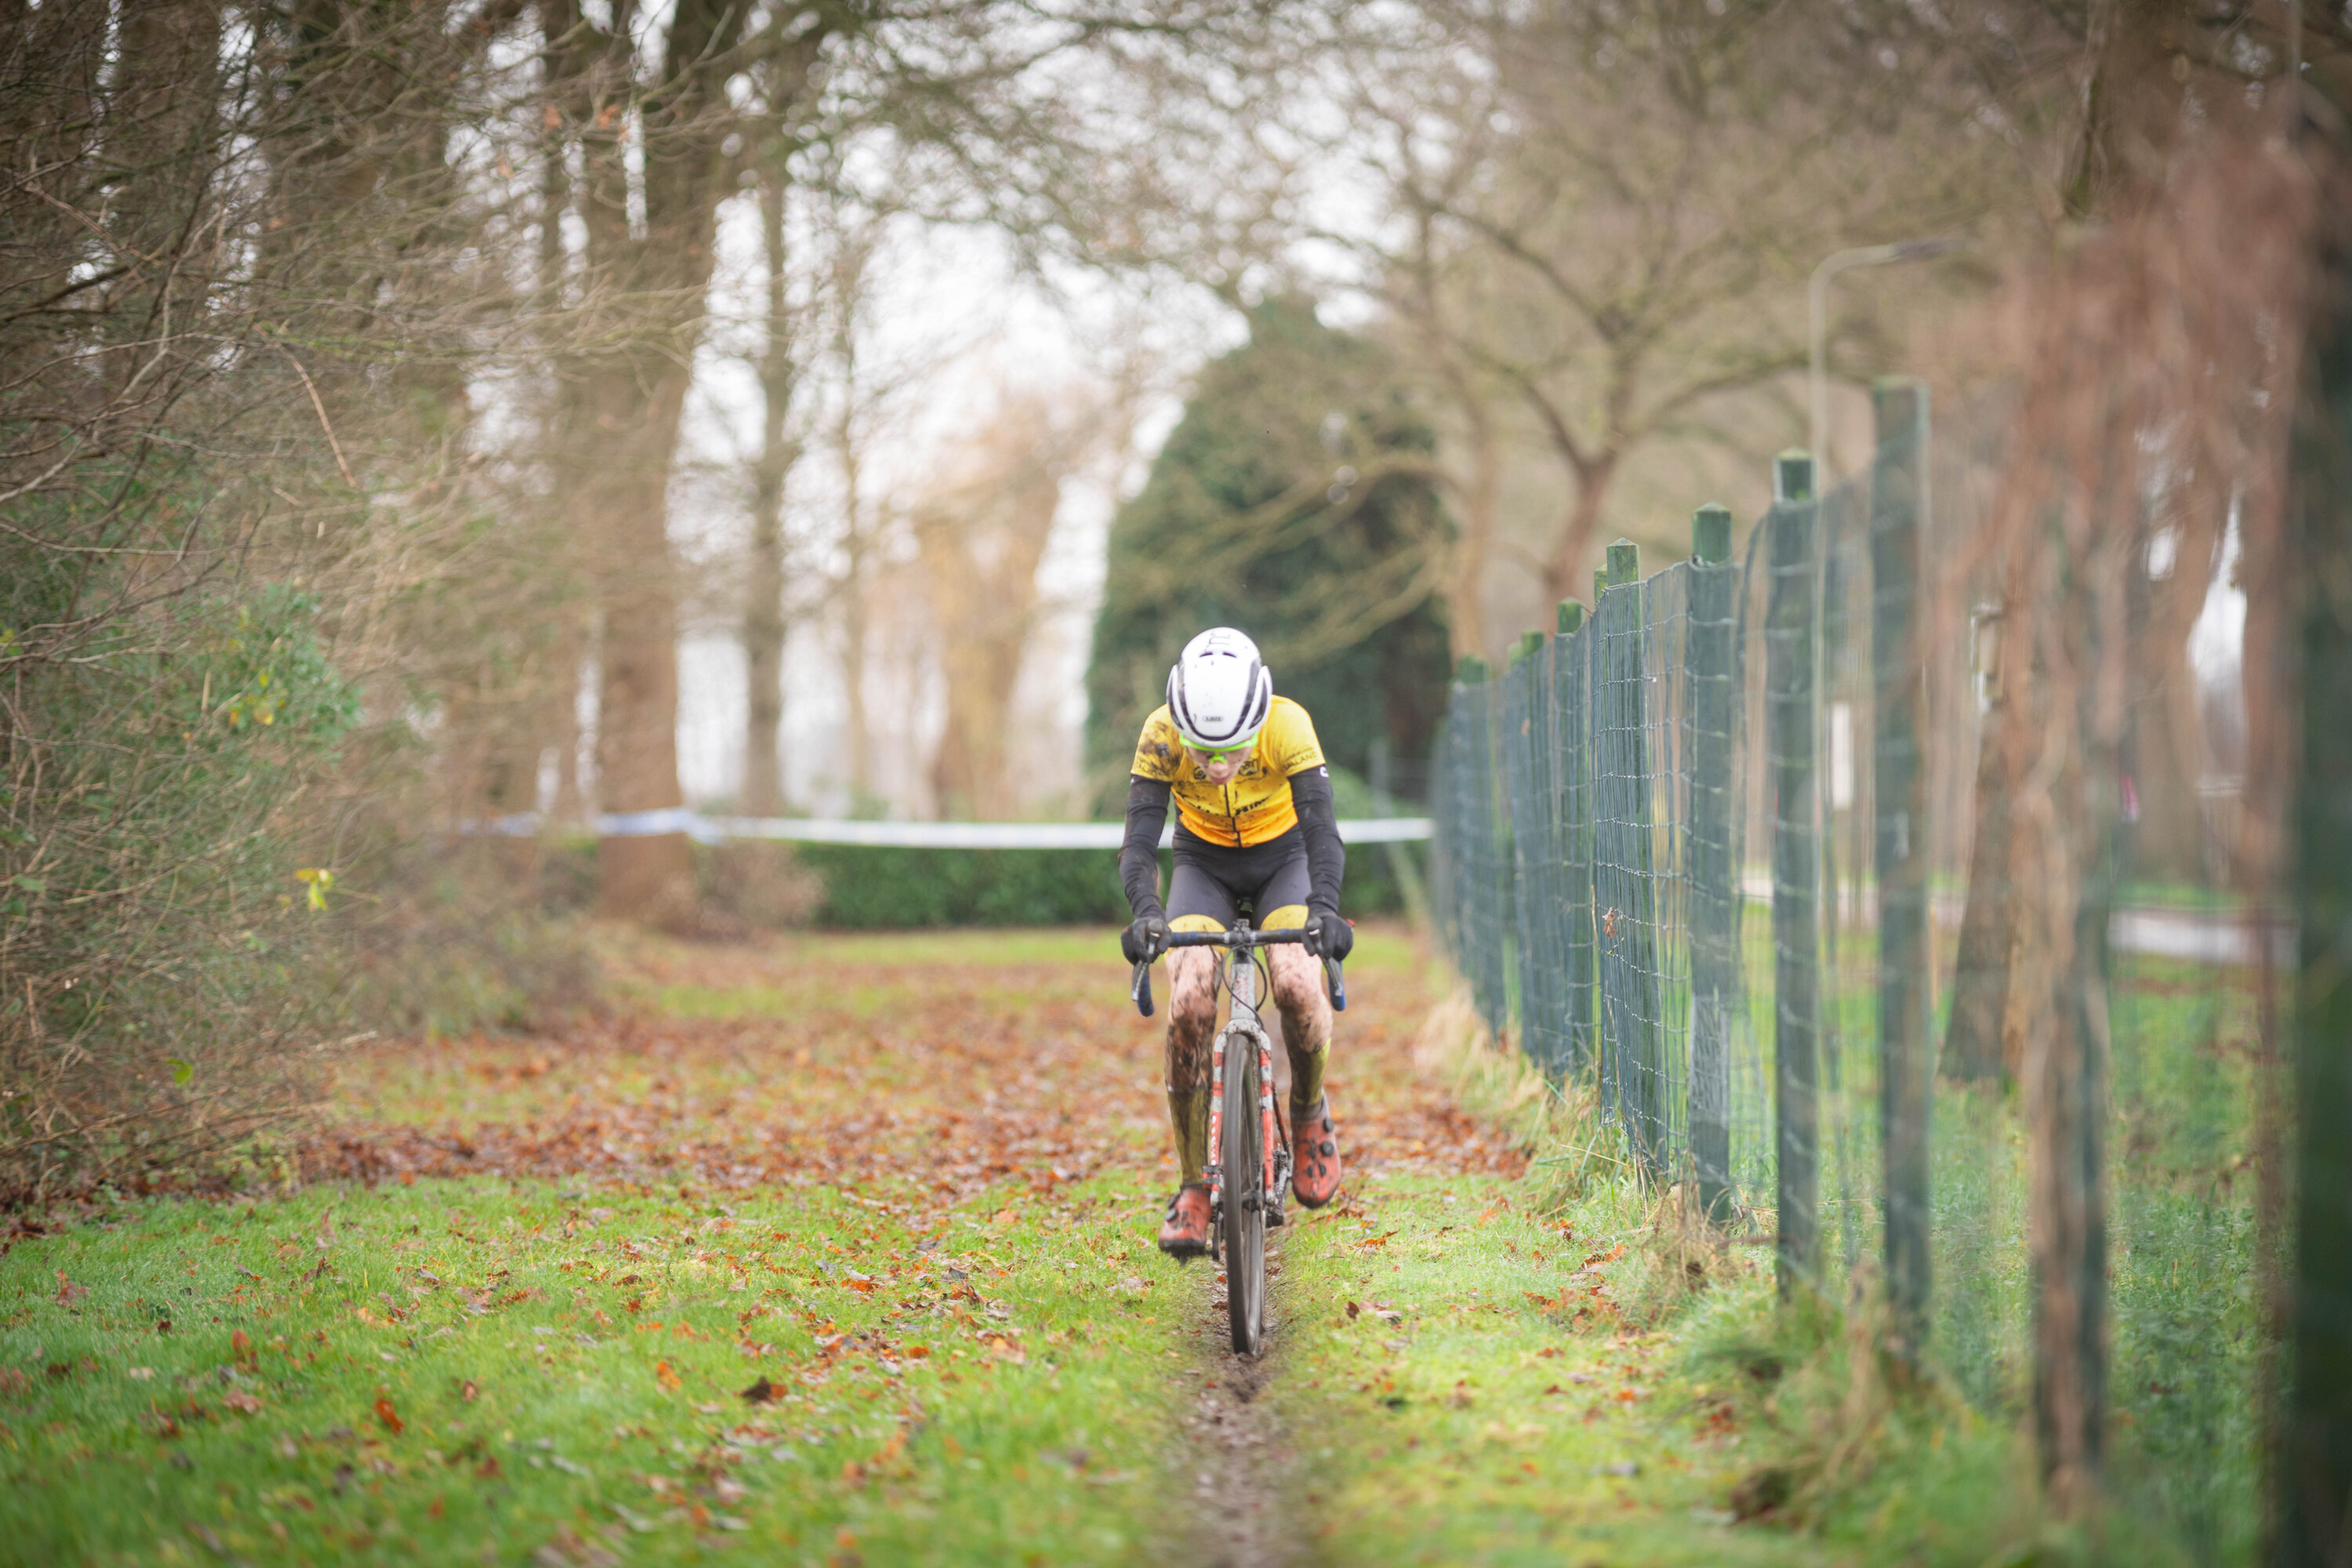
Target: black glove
{"x":1329,"y":936}
{"x":1144,"y":940}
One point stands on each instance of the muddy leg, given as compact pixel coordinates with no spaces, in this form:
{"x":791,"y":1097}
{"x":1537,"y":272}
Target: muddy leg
{"x":1192,"y":1018}
{"x":1305,"y":1011}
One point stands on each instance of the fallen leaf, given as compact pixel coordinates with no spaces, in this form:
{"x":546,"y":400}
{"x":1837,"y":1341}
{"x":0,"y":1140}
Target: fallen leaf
{"x":238,"y":1399}
{"x":467,"y":1390}
{"x":760,"y":1392}
{"x":69,"y":1292}
{"x":389,"y":1417}
{"x":666,"y":1376}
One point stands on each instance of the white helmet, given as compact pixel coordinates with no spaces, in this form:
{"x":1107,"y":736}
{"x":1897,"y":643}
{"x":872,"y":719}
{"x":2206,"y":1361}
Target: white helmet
{"x":1219,"y":693}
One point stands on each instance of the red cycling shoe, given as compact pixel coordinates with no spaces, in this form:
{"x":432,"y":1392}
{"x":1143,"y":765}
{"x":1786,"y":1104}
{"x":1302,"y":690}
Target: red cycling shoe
{"x":1185,"y":1232}
{"x":1315,"y":1144}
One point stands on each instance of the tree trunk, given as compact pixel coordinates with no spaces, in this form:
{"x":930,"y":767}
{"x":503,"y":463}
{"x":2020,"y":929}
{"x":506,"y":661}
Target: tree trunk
{"x":641,"y":876}
{"x":1583,"y":519}
{"x":623,"y":403}
{"x":164,"y":110}
{"x":2314,"y":1473}
{"x":1466,"y":582}
{"x":980,"y":544}
{"x":856,"y":734}
{"x":764,"y":610}
{"x":1972,"y":1040}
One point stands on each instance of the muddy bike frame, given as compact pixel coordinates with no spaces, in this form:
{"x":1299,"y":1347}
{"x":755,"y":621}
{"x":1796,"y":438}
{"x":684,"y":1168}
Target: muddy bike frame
{"x":1249,"y":1165}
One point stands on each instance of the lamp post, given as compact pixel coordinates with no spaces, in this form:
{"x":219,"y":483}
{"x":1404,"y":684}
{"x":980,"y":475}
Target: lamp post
{"x":1817,"y":301}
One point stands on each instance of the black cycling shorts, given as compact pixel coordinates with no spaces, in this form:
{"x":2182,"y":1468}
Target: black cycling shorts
{"x":1220,"y":883}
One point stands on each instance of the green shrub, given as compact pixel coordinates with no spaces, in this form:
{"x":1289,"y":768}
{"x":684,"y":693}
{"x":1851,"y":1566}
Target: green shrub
{"x":162,"y":941}
{"x":867,"y":886}
{"x":871,"y":888}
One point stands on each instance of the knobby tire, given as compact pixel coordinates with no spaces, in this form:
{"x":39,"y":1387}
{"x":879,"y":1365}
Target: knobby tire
{"x":1242,"y":1168}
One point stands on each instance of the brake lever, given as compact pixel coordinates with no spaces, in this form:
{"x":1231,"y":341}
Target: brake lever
{"x":1141,"y":990}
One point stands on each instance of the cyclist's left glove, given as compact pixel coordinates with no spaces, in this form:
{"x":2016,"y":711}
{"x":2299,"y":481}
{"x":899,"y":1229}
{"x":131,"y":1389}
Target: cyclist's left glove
{"x":1144,"y":940}
{"x":1329,"y":936}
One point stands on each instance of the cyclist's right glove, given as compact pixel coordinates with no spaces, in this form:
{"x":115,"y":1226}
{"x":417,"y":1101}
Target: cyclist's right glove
{"x":1329,"y":936}
{"x":1145,"y":940}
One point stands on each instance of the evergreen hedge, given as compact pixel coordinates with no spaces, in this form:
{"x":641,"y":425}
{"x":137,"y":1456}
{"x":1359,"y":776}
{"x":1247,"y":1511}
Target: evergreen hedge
{"x":869,"y":887}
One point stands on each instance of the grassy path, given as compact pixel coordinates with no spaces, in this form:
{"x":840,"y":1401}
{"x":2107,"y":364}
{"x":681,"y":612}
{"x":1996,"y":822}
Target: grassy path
{"x":898,"y":1191}
{"x":839,"y":1251}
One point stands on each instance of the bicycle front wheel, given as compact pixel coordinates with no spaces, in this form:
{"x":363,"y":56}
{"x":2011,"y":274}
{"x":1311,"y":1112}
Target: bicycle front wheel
{"x":1242,"y":1167}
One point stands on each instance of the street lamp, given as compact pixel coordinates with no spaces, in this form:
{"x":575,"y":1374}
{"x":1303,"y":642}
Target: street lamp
{"x":1817,"y":300}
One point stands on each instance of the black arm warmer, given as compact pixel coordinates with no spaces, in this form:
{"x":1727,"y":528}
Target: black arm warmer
{"x":1138,"y":854}
{"x":1327,"y":858}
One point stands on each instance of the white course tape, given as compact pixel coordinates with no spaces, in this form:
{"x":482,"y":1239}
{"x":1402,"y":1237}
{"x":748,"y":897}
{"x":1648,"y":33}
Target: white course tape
{"x":906,"y":835}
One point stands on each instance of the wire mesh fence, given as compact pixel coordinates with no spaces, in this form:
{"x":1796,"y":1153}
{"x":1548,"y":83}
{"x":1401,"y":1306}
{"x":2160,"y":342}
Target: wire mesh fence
{"x":1692,"y":854}
{"x":1598,"y":804}
{"x":1598,"y":801}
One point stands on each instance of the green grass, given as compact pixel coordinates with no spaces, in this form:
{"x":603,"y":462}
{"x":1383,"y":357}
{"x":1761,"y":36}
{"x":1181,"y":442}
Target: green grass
{"x":474,"y":1370}
{"x":1441,"y":1438}
{"x":960,"y":1376}
{"x":1480,"y":1424}
{"x":1527,"y":1374}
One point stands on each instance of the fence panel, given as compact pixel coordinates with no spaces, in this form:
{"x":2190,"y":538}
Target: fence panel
{"x":1753,"y":723}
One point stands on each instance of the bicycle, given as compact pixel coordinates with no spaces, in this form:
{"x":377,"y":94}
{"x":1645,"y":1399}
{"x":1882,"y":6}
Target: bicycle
{"x":1252,"y":1167}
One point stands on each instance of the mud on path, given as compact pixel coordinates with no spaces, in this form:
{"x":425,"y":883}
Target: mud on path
{"x":1243,"y":1465}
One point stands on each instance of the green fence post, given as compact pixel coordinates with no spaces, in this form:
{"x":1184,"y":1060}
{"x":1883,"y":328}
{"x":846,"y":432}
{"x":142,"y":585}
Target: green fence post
{"x":1572,"y":695}
{"x":2314,"y":1467}
{"x":1789,"y":616}
{"x":1502,"y":947}
{"x":1517,"y":747}
{"x":1541,"y":896}
{"x":1899,"y":496}
{"x":1708,"y":654}
{"x":1625,"y":818}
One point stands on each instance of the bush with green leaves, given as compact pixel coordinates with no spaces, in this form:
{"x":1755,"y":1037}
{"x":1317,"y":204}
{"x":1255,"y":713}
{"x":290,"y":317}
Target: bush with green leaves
{"x":160,"y":933}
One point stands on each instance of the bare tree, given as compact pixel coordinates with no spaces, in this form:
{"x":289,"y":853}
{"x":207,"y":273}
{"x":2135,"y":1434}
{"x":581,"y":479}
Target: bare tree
{"x":763,"y":607}
{"x":981,"y":534}
{"x":1599,"y":219}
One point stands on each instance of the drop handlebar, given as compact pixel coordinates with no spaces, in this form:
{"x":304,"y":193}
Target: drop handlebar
{"x":1247,"y":940}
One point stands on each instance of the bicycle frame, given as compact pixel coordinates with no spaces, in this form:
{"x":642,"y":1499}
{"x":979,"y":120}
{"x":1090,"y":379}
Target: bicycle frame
{"x":1237,"y":973}
{"x":1238,"y":1221}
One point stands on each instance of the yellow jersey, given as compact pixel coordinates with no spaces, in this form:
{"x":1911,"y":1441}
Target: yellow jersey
{"x":1253,"y":806}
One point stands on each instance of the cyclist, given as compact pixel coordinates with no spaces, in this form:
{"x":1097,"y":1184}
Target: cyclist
{"x":1255,"y":826}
